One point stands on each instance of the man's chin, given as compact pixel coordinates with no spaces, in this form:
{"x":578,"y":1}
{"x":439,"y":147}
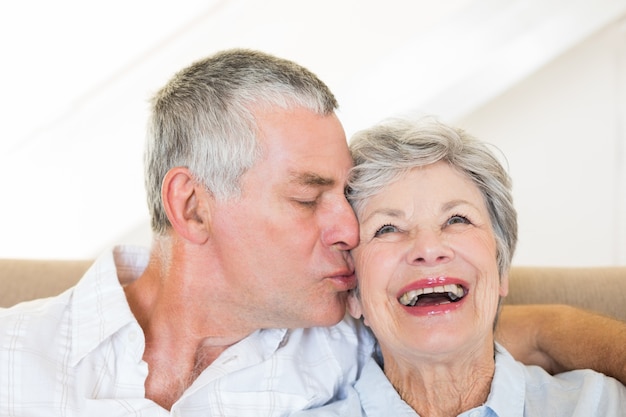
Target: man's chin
{"x":332,"y":314}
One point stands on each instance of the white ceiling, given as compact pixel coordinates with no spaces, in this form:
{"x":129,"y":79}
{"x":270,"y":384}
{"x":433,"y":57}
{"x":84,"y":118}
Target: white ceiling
{"x":76,"y":76}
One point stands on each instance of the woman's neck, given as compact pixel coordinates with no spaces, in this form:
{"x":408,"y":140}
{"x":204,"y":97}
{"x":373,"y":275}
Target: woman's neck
{"x":442,"y":387}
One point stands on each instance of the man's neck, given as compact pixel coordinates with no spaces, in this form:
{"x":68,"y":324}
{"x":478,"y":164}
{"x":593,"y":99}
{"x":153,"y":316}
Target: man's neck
{"x":173,"y":371}
{"x":183,"y":334}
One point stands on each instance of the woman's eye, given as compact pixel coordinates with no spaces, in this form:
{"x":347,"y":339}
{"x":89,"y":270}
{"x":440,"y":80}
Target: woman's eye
{"x":458,"y":220}
{"x":388,"y":228}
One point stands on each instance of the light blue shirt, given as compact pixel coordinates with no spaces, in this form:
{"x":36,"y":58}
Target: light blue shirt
{"x":516,"y":390}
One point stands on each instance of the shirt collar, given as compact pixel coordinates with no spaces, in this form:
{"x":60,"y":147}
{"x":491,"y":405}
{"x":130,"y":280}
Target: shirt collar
{"x":98,"y":306}
{"x":99,"y":309}
{"x":508,"y":390}
{"x":506,"y":399}
{"x":377,"y":395}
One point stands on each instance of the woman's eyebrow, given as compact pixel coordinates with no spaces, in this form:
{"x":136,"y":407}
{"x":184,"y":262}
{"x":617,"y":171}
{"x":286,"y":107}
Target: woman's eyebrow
{"x":386,"y":212}
{"x":455,"y":203}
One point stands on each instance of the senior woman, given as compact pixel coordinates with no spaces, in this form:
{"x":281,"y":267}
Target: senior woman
{"x":438,"y":231}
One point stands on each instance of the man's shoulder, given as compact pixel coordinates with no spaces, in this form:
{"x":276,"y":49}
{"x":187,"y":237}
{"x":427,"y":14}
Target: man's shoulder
{"x":35,"y":326}
{"x":585,"y":390}
{"x":93,"y":305}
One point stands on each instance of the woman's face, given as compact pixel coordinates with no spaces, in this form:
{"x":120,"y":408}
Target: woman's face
{"x":426,"y":265}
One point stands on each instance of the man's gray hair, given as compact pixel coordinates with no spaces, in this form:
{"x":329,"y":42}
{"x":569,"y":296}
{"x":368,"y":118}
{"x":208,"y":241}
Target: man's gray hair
{"x":203,"y":119}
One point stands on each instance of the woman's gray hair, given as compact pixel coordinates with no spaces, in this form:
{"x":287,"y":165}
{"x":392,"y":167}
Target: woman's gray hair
{"x":385,"y":152}
{"x":203,"y":119}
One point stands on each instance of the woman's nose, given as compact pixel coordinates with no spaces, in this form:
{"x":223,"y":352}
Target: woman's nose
{"x":428,"y":247}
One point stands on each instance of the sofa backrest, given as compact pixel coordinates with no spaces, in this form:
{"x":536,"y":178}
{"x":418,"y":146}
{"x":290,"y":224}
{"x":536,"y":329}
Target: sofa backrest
{"x":23,"y":280}
{"x":602,"y":289}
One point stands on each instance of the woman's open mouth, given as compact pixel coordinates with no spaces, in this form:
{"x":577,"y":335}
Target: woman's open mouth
{"x":435,"y":295}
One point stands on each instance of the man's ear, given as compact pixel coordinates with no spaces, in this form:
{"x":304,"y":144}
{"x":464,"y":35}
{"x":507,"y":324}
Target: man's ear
{"x":186,"y":206}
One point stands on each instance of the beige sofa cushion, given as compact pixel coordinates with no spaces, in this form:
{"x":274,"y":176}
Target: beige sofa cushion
{"x":22,"y":280}
{"x":602,"y":289}
{"x":599,"y":289}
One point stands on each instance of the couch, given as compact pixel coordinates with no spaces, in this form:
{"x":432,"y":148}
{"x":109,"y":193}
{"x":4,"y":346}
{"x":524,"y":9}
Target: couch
{"x":602,"y":289}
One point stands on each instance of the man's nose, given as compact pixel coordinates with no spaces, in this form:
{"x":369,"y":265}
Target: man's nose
{"x":344,"y":230}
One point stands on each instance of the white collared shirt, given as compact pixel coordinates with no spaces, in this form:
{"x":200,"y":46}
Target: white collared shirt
{"x":80,"y":354}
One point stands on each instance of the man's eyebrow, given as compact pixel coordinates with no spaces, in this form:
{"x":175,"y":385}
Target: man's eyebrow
{"x":311,"y":178}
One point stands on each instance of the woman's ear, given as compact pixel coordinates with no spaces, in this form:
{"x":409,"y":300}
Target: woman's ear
{"x":354,"y":305}
{"x":186,"y":205}
{"x":504,"y":285}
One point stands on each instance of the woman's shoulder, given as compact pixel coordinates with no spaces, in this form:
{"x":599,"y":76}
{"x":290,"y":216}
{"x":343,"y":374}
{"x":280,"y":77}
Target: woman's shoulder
{"x":579,"y":392}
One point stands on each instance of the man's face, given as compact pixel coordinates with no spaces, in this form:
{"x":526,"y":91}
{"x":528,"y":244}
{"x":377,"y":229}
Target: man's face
{"x":284,"y":244}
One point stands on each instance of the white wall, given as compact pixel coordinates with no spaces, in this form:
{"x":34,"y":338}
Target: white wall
{"x":563,"y":131}
{"x":71,"y":177}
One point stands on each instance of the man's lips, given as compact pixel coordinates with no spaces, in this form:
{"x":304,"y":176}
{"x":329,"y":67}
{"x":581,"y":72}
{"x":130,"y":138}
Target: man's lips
{"x":344,"y":280}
